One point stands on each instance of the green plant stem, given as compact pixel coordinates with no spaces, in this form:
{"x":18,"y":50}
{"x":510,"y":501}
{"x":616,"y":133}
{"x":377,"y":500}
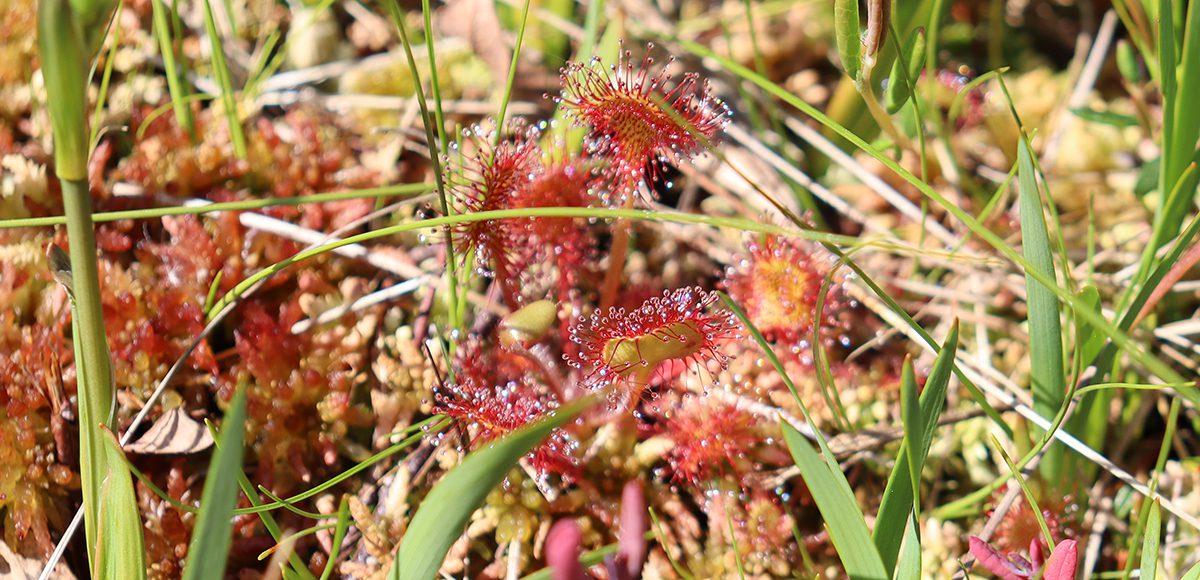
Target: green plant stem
{"x":436,"y":158}
{"x":91,"y":349}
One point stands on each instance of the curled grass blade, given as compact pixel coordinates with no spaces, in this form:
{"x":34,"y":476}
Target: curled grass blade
{"x":1015,"y":473}
{"x":440,"y":518}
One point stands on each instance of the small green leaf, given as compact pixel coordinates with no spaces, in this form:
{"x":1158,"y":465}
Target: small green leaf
{"x":901,"y":81}
{"x":1150,"y":542}
{"x":843,"y":518}
{"x":909,"y":565}
{"x":899,"y":496}
{"x":1109,"y":118}
{"x":1088,"y":341}
{"x":209,"y":548}
{"x":847,"y":31}
{"x":1045,"y":329}
{"x":441,"y":516}
{"x":910,"y":414}
{"x":1127,"y":63}
{"x":120,"y":554}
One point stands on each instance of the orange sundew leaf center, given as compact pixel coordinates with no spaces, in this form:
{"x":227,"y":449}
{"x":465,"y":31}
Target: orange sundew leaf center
{"x":783,"y":293}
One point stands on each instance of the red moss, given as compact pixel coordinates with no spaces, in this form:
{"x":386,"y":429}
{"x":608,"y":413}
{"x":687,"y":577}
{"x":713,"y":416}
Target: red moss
{"x":34,"y":476}
{"x":628,"y":347}
{"x":638,"y":122}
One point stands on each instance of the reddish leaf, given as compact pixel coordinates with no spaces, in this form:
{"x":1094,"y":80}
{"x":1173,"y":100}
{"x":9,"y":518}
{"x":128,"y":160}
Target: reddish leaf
{"x":994,"y":561}
{"x":1063,"y":561}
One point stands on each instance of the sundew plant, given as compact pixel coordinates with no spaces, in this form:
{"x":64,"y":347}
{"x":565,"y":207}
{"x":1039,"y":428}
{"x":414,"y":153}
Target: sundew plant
{"x":567,"y":290}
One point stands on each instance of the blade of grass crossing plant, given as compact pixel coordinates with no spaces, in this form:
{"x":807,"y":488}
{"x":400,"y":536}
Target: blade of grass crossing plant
{"x":441,"y":516}
{"x":838,"y":506}
{"x":209,"y":548}
{"x":847,"y":34}
{"x":1045,"y":328}
{"x":119,"y":551}
{"x":1027,"y":492}
{"x":339,"y":536}
{"x":899,"y":496}
{"x":1150,"y":542}
{"x":775,"y":362}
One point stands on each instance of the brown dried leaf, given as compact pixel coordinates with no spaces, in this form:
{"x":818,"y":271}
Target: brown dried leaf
{"x":175,"y":432}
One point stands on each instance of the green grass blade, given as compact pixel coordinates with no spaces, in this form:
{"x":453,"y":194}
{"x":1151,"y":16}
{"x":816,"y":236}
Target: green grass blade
{"x":339,"y":535}
{"x":847,"y":34}
{"x":1047,"y":371}
{"x":1181,"y":121}
{"x":441,"y":516}
{"x":914,"y":434}
{"x":221,"y":71}
{"x":909,"y":565}
{"x":1015,"y":472}
{"x":109,"y":63}
{"x":899,"y":496}
{"x":406,"y":189}
{"x":176,"y":85}
{"x":120,"y":554}
{"x":209,"y":548}
{"x":843,"y":518}
{"x":1193,"y":573}
{"x":1150,"y":542}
